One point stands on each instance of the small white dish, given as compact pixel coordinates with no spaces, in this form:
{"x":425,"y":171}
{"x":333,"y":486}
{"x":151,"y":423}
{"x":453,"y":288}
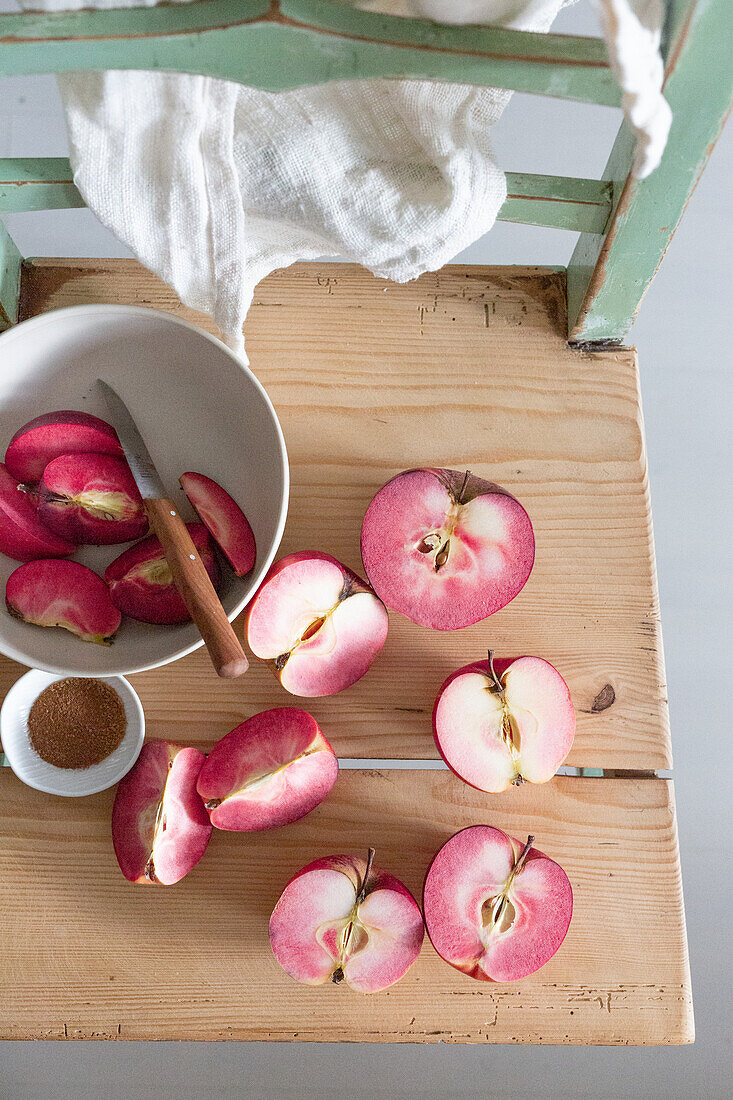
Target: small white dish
{"x":68,"y":782}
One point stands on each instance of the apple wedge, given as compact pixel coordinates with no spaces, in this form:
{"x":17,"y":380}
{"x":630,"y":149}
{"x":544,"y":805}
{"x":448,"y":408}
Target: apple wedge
{"x":495,"y":908}
{"x":503,"y":722}
{"x":319,"y":623}
{"x":341,"y":920}
{"x":225,"y":520}
{"x":160,"y":828}
{"x":51,"y":592}
{"x":445,"y":548}
{"x":57,"y":433}
{"x":91,"y":498}
{"x":271,"y":770}
{"x":22,"y":535}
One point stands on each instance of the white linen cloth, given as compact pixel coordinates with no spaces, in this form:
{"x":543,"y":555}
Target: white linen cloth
{"x":213,"y":185}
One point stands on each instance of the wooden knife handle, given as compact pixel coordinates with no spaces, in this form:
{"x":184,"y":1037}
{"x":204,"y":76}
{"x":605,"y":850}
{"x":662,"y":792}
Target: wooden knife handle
{"x":196,"y":590}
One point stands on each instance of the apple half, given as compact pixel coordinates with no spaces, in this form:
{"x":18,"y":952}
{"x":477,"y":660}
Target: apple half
{"x":160,"y":828}
{"x":319,"y":623}
{"x":269,"y":771}
{"x":91,"y":498}
{"x":224,"y":519}
{"x":495,"y":908}
{"x":503,"y":722}
{"x":445,"y":548}
{"x":22,"y":535}
{"x":53,"y":592}
{"x":341,"y":920}
{"x":57,"y":433}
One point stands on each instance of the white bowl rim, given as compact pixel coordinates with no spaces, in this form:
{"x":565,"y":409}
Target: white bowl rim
{"x":135,"y":732}
{"x":102,"y":307}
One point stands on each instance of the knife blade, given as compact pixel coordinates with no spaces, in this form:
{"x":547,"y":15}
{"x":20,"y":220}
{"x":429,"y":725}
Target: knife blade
{"x":138,"y":457}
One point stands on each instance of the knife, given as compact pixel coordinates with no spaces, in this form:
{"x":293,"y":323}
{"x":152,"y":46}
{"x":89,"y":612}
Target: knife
{"x":189,"y":572}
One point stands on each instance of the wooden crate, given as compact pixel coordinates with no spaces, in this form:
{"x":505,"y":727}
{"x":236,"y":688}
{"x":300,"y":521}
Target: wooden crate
{"x":464,"y":368}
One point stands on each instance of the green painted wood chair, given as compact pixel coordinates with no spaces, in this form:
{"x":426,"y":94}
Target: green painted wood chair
{"x":624,"y":224}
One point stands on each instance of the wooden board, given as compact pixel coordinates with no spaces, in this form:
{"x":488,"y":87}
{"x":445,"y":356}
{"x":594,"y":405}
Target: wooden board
{"x":465,"y":368}
{"x":86,"y":955}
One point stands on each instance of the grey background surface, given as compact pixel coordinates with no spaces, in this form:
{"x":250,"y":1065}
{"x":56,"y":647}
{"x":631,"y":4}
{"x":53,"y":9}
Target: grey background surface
{"x":683,"y":337}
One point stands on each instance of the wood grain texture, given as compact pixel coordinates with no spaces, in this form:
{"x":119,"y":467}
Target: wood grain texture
{"x":464,"y":368}
{"x":88,"y":955}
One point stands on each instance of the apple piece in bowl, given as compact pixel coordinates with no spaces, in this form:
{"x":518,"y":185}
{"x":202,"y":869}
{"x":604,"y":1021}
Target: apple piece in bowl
{"x":54,"y":434}
{"x":319,"y":623}
{"x":141,"y":583}
{"x":340,"y":919}
{"x":446,"y":549}
{"x":271,"y":770}
{"x":54,"y":592}
{"x":22,"y":535}
{"x":91,"y":498}
{"x":224,"y":519}
{"x":495,"y":908}
{"x":160,"y":828}
{"x":503,"y":722}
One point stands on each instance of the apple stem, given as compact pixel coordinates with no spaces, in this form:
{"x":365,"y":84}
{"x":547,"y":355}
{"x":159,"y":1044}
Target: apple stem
{"x":363,"y":890}
{"x":463,"y":487}
{"x":497,"y":682}
{"x":522,"y":857}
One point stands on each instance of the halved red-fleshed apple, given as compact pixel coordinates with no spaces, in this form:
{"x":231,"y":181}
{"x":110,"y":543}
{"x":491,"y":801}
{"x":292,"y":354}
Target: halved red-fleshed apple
{"x":160,"y":828}
{"x":57,"y":433}
{"x":445,"y":548}
{"x":51,"y":592}
{"x":270,"y":770}
{"x":340,"y":919}
{"x":495,"y":908}
{"x":227,"y":523}
{"x":22,"y":535}
{"x":501,"y":722}
{"x":91,"y":498}
{"x":318,"y":621}
{"x":141,"y":583}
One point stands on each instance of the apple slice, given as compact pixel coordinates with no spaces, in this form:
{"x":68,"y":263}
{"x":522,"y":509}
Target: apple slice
{"x":272,"y":769}
{"x":91,"y":498}
{"x":225,"y":520}
{"x":141,"y":584}
{"x":340,"y":919}
{"x":495,"y":908}
{"x":320,"y":624}
{"x":160,"y":828}
{"x":50,"y":592}
{"x":22,"y":535}
{"x":501,"y":722}
{"x":445,"y":548}
{"x":58,"y":433}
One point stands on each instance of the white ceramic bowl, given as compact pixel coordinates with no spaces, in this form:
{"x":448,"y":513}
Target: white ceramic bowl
{"x":71,"y":782}
{"x":198,"y":408}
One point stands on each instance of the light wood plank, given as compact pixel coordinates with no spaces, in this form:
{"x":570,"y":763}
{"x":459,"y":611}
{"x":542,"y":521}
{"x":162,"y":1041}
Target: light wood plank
{"x":468,"y":367}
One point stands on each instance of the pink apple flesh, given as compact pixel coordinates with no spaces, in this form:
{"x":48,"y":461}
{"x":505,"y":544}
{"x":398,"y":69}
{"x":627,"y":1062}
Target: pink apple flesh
{"x":495,"y":908}
{"x":502,"y":722}
{"x":91,"y":498}
{"x":141,"y":584}
{"x":444,"y":548}
{"x":22,"y":535}
{"x":319,"y":623}
{"x":51,"y":592}
{"x":339,"y":919}
{"x":58,"y":433}
{"x":225,"y":520}
{"x":160,"y":828}
{"x":271,"y":770}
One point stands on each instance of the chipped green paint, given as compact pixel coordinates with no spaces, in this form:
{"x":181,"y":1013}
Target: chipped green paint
{"x":10,"y":261}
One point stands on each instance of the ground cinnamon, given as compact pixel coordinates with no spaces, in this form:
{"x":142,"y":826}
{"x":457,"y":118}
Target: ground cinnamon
{"x":77,"y":722}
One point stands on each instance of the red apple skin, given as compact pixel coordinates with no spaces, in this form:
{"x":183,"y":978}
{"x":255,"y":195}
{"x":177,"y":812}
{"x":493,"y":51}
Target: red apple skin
{"x":141,"y":585}
{"x":160,"y":828}
{"x":53,"y":592}
{"x":58,"y":433}
{"x":297,"y":592}
{"x":91,"y":498}
{"x":490,"y":547}
{"x":271,"y":770}
{"x":472,"y":746}
{"x":468,"y":872}
{"x":310,"y":917}
{"x":22,"y":535}
{"x":225,"y":520}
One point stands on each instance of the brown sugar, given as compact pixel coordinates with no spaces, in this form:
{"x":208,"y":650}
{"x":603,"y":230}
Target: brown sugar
{"x":77,"y":722}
